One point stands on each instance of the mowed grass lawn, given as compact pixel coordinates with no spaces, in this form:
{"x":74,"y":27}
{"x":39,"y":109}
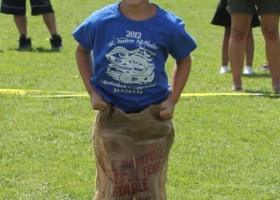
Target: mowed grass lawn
{"x":226,"y":147}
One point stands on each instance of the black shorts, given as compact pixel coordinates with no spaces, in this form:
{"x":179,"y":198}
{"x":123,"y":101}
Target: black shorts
{"x":222,"y":17}
{"x":18,"y":7}
{"x":252,"y":6}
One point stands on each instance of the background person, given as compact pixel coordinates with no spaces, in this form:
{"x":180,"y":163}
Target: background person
{"x":241,"y":14}
{"x":222,"y":18}
{"x":17,"y":8}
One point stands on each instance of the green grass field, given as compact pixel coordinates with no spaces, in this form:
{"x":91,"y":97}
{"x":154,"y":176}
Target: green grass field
{"x":226,"y":147}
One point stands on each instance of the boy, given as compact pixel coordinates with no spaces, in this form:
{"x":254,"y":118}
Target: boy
{"x":127,"y":83}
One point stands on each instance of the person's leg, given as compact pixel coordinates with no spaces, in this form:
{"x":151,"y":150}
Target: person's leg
{"x":21,"y":24}
{"x":249,"y":53}
{"x":44,"y":8}
{"x":225,"y":57}
{"x":237,"y":45}
{"x":270,"y":30}
{"x":56,"y":40}
{"x":49,"y":19}
{"x":18,"y":10}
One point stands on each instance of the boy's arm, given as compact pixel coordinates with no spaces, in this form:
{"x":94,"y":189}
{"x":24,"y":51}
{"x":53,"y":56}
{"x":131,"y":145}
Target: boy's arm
{"x":84,"y":63}
{"x":180,"y":76}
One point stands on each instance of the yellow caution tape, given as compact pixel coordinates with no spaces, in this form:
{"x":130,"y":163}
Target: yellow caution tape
{"x":222,"y":94}
{"x":52,"y":94}
{"x":41,"y":93}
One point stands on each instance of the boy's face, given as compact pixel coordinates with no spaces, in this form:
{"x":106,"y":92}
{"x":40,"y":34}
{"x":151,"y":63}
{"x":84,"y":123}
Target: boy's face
{"x":135,"y":2}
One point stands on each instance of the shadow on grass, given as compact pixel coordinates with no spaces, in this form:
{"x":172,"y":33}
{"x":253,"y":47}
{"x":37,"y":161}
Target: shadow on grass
{"x":264,"y":93}
{"x":37,"y":50}
{"x":258,"y":75}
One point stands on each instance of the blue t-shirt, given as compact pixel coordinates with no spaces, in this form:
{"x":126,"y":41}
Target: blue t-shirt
{"x":129,"y":56}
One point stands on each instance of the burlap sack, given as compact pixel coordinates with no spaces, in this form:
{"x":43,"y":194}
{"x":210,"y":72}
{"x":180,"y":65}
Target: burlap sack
{"x":131,"y":153}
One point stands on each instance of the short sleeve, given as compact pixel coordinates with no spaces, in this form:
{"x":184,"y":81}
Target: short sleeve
{"x":181,"y":43}
{"x":84,"y":34}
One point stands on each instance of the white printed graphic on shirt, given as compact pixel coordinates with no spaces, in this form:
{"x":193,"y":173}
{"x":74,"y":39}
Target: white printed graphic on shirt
{"x":131,"y":67}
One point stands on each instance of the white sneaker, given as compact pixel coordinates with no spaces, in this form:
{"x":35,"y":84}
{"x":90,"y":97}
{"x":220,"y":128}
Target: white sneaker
{"x":265,"y":67}
{"x":223,"y":69}
{"x":248,"y":70}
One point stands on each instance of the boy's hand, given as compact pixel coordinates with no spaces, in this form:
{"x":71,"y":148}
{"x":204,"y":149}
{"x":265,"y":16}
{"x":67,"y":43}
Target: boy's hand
{"x":167,"y":110}
{"x":97,"y":102}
